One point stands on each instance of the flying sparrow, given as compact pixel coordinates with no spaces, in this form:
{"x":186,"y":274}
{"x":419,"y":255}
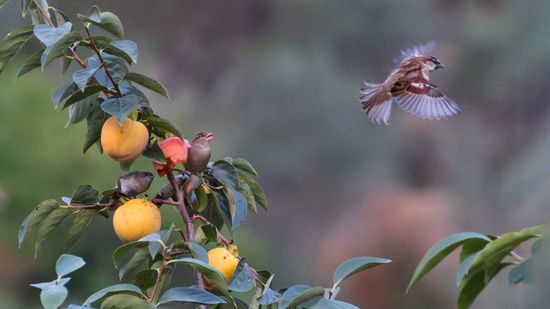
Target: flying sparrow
{"x":410,"y":87}
{"x":199,"y":153}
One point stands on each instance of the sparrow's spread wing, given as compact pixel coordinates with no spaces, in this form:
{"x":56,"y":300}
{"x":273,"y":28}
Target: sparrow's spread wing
{"x":416,"y":51}
{"x":425,"y":100}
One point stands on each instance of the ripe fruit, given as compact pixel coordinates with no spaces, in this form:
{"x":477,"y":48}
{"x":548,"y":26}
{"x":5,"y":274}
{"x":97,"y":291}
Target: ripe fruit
{"x":135,"y":219}
{"x":224,"y":261}
{"x":123,"y":143}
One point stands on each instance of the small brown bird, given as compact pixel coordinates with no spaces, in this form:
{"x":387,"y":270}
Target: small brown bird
{"x":199,"y":153}
{"x":410,"y":87}
{"x":134,"y":183}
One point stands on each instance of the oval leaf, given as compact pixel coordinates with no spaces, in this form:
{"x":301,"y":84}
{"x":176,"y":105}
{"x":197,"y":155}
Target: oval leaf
{"x":112,"y":289}
{"x":207,"y":271}
{"x":147,"y":82}
{"x":68,"y":263}
{"x":439,"y":251}
{"x":192,"y":295}
{"x":355,"y":265}
{"x":32,"y":221}
{"x":53,"y":296}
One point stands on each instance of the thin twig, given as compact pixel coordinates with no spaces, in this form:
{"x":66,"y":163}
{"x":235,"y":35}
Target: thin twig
{"x":46,"y":16}
{"x":159,"y":276}
{"x":103,"y":65}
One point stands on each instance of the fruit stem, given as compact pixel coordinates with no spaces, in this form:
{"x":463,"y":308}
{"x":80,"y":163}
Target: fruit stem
{"x":180,"y":199}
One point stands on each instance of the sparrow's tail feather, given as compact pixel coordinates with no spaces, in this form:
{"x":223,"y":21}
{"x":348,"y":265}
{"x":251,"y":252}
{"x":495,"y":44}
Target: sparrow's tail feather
{"x":376,"y":103}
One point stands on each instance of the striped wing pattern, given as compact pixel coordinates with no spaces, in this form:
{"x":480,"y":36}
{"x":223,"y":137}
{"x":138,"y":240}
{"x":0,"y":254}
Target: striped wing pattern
{"x":426,"y":101}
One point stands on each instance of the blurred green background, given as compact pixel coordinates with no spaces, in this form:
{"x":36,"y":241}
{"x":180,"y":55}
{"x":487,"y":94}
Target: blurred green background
{"x":277,"y":82}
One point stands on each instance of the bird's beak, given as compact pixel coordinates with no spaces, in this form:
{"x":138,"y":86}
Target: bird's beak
{"x":439,"y":66}
{"x":210,"y":137}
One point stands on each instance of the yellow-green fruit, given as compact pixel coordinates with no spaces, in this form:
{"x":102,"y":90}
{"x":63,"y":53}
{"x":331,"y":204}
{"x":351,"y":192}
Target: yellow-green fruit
{"x":135,"y":219}
{"x":224,"y":261}
{"x":123,"y":143}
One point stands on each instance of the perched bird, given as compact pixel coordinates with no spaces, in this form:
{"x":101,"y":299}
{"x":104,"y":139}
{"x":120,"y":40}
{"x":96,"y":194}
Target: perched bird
{"x":134,"y":183}
{"x":410,"y":87}
{"x":199,"y":153}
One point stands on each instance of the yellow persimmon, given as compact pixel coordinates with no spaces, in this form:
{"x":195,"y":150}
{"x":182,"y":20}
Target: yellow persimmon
{"x":135,"y":219}
{"x":224,"y":261}
{"x":123,"y":143}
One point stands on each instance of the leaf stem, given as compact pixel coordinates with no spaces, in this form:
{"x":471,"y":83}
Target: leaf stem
{"x":103,"y":65}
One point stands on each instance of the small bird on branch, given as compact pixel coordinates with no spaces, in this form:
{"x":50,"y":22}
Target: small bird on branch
{"x":409,"y":86}
{"x":199,"y":153}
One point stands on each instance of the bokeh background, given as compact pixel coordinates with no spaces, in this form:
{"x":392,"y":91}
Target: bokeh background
{"x":277,"y":82}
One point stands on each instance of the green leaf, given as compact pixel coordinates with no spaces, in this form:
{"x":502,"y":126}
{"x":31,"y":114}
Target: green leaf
{"x":119,"y":253}
{"x":120,"y":107}
{"x":206,"y":270}
{"x":154,"y":243}
{"x":81,"y":95}
{"x":125,"y":49}
{"x":154,"y":153}
{"x":125,"y":301}
{"x":49,"y":224}
{"x":243,"y":279}
{"x":197,"y":251}
{"x":289,"y":296}
{"x":112,"y":289}
{"x":522,"y":272}
{"x":244,"y":165}
{"x":355,"y":265}
{"x":85,"y":195}
{"x":30,"y":63}
{"x":32,"y":221}
{"x":49,"y":35}
{"x":57,"y":49}
{"x":63,"y":92}
{"x":246,"y":191}
{"x":111,"y":23}
{"x":82,"y":77}
{"x":464,"y":267}
{"x":473,"y":285}
{"x":81,"y":110}
{"x":67,"y":264}
{"x":226,"y":174}
{"x":93,"y":16}
{"x":210,"y":232}
{"x":12,"y":44}
{"x":193,"y":295}
{"x":237,"y":207}
{"x":499,"y":248}
{"x":117,"y":68}
{"x":95,"y":121}
{"x":53,"y":296}
{"x":305,"y":296}
{"x":439,"y":251}
{"x":323,"y":303}
{"x":148,"y":83}
{"x":81,"y":221}
{"x":156,"y":122}
{"x":137,"y":260}
{"x":259,"y":195}
{"x":60,"y":16}
{"x":3,"y":2}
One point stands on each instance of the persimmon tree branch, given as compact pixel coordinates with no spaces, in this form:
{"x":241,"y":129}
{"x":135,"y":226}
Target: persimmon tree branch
{"x":180,"y":199}
{"x":102,"y":61}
